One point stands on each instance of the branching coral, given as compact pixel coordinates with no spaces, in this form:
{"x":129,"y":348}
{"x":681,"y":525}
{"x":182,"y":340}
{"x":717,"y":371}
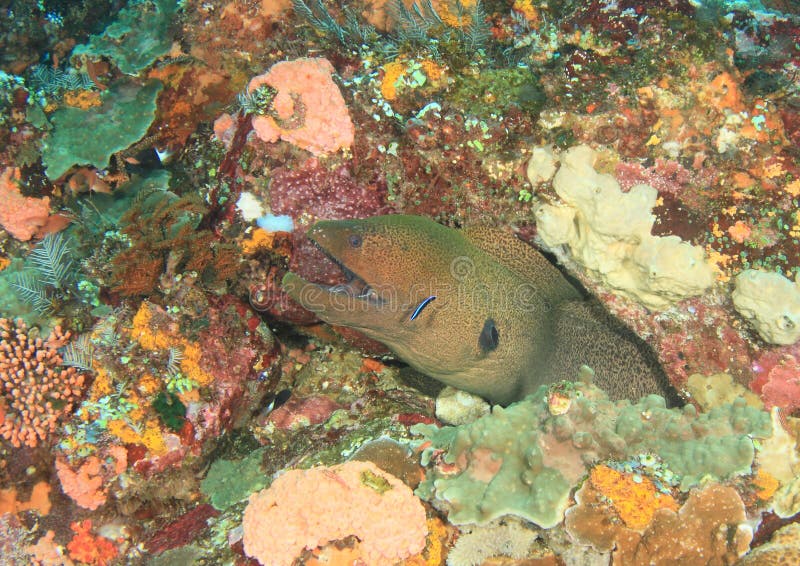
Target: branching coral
{"x":36,"y":392}
{"x":165,"y":241}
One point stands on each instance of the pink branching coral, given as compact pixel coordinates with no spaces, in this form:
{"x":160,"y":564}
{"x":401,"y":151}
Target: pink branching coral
{"x":310,"y":111}
{"x":83,"y":485}
{"x":305,"y":509}
{"x":22,"y":217}
{"x":36,"y":391}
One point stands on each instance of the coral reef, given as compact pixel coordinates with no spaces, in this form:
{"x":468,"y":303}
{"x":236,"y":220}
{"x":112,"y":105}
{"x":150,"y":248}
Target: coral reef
{"x":355,"y":498}
{"x":525,"y":459}
{"x":38,"y":391}
{"x":651,"y":146}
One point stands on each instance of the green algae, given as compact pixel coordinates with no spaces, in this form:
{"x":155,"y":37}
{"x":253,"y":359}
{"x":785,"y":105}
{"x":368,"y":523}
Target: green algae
{"x":518,"y":87}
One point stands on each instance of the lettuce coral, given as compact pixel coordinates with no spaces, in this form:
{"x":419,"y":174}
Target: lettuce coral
{"x":305,"y":509}
{"x":608,"y":232}
{"x":524,"y":460}
{"x":91,"y":137}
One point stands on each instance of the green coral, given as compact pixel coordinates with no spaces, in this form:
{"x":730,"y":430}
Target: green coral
{"x":92,"y":136}
{"x":140,"y":35}
{"x":170,"y":409}
{"x":230,"y":481}
{"x":524,"y":460}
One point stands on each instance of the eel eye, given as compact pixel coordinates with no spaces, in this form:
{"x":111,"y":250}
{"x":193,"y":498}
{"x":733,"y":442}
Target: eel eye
{"x":489,"y":338}
{"x":354,"y":240}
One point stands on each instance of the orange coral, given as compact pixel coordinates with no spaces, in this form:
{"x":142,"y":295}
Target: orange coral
{"x":88,"y":548}
{"x":634,"y":498}
{"x":84,"y":485}
{"x":391,"y":73}
{"x":36,"y":392}
{"x":310,"y":110}
{"x":39,"y":500}
{"x":310,"y":508}
{"x":740,"y":231}
{"x":454,"y":14}
{"x":22,"y":217}
{"x":723,"y":93}
{"x":432,"y":70}
{"x":528,"y":11}
{"x":766,"y":485}
{"x":152,"y":338}
{"x":150,"y":437}
{"x":260,"y":240}
{"x":83,"y":99}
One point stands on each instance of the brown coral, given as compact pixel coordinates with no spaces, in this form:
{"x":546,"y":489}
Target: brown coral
{"x":710,"y":527}
{"x":782,"y":550}
{"x":36,"y":391}
{"x":635,"y":499}
{"x":164,"y":242}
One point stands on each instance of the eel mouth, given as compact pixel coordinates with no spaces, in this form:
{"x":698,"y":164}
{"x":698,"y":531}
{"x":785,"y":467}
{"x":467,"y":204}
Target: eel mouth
{"x":354,"y":286}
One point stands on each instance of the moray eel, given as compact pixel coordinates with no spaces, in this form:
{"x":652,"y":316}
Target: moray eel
{"x":477,"y":309}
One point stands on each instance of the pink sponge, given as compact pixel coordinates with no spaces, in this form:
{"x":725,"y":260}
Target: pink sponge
{"x":310,"y":110}
{"x":22,"y":217}
{"x":306,"y":509}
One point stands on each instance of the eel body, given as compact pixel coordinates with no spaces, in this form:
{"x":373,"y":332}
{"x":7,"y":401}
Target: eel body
{"x":477,"y":309}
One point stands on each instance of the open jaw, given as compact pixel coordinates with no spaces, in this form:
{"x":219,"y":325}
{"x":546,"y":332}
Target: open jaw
{"x":353,"y":288}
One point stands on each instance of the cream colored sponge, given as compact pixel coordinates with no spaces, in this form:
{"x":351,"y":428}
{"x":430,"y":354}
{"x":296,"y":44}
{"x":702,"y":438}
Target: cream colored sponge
{"x":608,"y":232}
{"x":771,"y":303}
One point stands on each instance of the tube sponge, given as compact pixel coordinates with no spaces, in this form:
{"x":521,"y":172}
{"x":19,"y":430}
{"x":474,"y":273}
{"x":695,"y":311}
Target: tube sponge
{"x":771,"y":303}
{"x":608,"y":232}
